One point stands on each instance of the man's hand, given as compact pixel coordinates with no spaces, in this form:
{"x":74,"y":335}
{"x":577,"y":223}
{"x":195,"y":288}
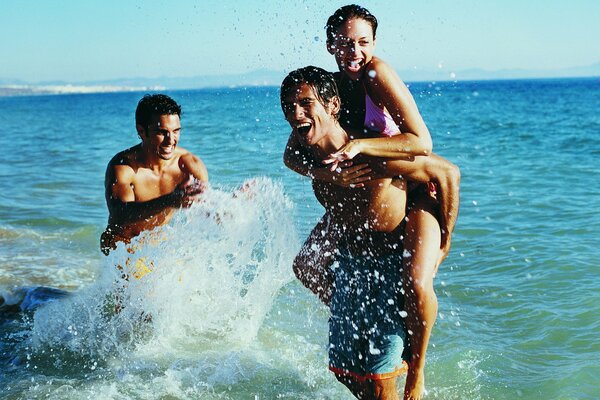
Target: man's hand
{"x":188,"y":192}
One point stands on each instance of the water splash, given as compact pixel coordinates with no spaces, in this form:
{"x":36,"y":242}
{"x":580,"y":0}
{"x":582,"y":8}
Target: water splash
{"x":206,"y":281}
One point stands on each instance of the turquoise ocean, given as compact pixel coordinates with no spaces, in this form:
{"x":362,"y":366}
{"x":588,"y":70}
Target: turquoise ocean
{"x":222,"y":317}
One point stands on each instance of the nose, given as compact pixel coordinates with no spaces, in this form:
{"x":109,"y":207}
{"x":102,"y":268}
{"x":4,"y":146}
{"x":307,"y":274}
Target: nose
{"x":355,"y":47}
{"x":297,"y":112}
{"x":169,"y":137}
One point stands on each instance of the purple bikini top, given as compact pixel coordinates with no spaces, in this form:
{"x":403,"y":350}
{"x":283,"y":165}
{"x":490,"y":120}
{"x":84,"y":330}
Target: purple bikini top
{"x":378,"y":120}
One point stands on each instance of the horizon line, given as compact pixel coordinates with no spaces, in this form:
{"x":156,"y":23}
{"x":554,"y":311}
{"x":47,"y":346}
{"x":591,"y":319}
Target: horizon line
{"x":10,"y":90}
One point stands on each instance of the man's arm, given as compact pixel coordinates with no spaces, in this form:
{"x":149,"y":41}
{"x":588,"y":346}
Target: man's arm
{"x":193,"y":166}
{"x":127,"y":217}
{"x":298,"y":159}
{"x":120,"y":198}
{"x":197,"y":175}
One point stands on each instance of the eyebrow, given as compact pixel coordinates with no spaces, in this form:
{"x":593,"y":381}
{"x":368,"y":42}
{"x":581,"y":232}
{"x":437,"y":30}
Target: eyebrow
{"x":161,"y":129}
{"x":349,"y":38}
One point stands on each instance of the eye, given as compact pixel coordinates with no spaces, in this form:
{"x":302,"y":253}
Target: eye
{"x":343,"y":43}
{"x":288,"y":107}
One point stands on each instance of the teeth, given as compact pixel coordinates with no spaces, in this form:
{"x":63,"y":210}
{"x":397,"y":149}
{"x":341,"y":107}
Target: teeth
{"x":304,"y":125}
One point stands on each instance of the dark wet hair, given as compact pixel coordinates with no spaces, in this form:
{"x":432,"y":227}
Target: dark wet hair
{"x":346,"y":13}
{"x":322,"y":82}
{"x":155,"y":104}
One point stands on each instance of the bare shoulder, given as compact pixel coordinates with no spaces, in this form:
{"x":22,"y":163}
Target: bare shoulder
{"x":120,"y":176}
{"x":125,"y":157}
{"x":185,"y":156}
{"x":122,"y":165}
{"x":381,"y":74}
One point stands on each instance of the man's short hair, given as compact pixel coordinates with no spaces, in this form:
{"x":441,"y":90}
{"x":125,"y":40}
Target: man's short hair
{"x":322,"y":82}
{"x":155,"y":104}
{"x":346,"y":13}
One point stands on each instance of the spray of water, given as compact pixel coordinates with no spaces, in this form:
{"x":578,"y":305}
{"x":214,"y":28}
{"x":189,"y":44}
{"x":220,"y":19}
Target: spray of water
{"x":204,"y":282}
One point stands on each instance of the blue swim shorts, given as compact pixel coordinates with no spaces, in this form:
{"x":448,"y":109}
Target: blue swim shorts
{"x":367,"y":334}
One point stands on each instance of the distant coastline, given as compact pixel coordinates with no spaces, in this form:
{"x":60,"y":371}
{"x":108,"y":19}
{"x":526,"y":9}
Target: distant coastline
{"x":33,"y":90}
{"x":271,"y":78}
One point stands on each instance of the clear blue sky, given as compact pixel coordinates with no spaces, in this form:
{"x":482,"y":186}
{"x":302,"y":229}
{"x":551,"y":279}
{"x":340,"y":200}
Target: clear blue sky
{"x":78,"y":40}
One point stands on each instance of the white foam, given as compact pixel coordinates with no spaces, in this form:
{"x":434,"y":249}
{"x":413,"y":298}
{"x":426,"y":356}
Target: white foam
{"x":216,"y":270}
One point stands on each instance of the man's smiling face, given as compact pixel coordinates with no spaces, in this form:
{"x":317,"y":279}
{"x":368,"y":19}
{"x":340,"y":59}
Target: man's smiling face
{"x":309,"y":118}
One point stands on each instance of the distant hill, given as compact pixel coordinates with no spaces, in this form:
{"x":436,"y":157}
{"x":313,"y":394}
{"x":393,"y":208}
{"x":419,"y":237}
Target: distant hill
{"x":264,"y":77}
{"x":573,"y":72}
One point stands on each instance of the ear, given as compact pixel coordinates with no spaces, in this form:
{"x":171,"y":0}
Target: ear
{"x":334,"y":105}
{"x":330,"y":47}
{"x":141,"y":131}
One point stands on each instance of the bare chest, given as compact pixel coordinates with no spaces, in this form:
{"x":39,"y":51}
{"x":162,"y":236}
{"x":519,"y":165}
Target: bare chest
{"x":149,"y":185}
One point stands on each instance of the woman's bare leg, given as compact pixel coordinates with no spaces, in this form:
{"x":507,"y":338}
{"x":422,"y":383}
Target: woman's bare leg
{"x":422,"y":250}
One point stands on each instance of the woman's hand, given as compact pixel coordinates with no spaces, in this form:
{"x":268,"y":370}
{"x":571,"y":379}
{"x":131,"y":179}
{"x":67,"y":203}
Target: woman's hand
{"x":347,"y":152}
{"x":345,"y":174}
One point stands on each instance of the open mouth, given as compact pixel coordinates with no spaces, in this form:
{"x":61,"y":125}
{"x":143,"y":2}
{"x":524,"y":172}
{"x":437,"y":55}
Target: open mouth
{"x":166,"y":150}
{"x":303,"y":128}
{"x":354,"y":65}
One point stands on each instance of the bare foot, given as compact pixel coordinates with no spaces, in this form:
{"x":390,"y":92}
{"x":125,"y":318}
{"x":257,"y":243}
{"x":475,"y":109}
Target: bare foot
{"x":415,"y":385}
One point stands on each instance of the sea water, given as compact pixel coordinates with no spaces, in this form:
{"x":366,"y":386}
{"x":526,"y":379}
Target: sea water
{"x":222,"y":317}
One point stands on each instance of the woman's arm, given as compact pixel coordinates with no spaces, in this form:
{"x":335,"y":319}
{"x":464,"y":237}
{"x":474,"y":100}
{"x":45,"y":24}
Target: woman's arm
{"x":298,"y":159}
{"x":388,"y":91}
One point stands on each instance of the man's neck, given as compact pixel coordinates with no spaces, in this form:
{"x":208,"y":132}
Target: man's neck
{"x":152,"y":161}
{"x":332,"y":142}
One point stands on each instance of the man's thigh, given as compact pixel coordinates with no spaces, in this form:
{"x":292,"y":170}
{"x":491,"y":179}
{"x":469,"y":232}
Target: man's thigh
{"x":381,"y":389}
{"x":359,"y":388}
{"x":384,"y":389}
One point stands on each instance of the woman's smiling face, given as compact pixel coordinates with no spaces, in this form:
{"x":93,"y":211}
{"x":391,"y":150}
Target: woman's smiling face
{"x":353,"y":47}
